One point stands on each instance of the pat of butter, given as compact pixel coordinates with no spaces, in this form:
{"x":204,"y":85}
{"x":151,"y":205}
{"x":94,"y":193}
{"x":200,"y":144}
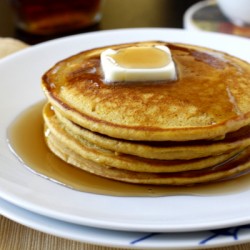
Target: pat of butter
{"x":138,"y":63}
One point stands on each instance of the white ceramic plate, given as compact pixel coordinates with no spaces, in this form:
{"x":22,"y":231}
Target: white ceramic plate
{"x":134,"y":240}
{"x":20,"y":87}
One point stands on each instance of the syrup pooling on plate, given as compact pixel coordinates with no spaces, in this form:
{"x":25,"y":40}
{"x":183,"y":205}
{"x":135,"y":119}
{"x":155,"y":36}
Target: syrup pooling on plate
{"x":26,"y":138}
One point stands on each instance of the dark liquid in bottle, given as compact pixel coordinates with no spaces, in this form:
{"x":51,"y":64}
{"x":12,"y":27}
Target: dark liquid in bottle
{"x":48,"y":17}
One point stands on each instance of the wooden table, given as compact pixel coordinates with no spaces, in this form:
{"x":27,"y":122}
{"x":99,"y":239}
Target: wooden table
{"x":116,"y":14}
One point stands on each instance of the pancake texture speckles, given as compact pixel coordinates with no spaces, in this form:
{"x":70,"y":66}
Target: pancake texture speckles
{"x":209,"y":99}
{"x":190,"y":130}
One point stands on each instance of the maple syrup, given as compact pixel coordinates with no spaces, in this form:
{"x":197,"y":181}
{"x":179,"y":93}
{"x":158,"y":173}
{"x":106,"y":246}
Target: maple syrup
{"x":26,"y":138}
{"x":141,"y":57}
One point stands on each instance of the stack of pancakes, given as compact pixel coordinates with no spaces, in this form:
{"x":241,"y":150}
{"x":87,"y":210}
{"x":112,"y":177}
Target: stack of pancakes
{"x":191,"y":130}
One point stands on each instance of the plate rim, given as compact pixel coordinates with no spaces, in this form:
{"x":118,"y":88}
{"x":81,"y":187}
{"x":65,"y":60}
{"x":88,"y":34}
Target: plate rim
{"x":91,"y":222}
{"x":109,"y":238}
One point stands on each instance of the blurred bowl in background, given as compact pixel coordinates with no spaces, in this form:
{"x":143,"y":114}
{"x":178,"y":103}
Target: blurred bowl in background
{"x":237,"y":11}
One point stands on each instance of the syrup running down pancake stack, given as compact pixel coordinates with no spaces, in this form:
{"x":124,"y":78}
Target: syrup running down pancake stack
{"x":190,"y":130}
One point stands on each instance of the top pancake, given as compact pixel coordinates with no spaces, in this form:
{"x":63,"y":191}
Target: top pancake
{"x":210,"y":98}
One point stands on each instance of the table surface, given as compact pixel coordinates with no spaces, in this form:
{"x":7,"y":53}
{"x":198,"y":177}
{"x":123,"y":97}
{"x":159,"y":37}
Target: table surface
{"x":116,"y":14}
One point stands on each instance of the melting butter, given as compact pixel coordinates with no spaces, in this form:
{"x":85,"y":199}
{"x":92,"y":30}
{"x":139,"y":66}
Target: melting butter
{"x":138,"y":63}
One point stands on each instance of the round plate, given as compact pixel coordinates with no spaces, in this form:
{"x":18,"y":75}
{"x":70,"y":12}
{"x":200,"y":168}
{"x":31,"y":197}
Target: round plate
{"x":138,"y":240}
{"x":20,"y":88}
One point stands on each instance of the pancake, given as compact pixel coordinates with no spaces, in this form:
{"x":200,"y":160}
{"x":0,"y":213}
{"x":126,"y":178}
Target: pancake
{"x":190,"y":130}
{"x":167,"y":150}
{"x":237,"y":166}
{"x":209,"y":99}
{"x":90,"y":151}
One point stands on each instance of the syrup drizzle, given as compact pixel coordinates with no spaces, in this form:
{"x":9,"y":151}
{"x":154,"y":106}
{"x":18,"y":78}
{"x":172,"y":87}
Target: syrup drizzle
{"x":26,"y":139}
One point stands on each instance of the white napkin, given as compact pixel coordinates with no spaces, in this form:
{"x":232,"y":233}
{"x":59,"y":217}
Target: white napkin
{"x":10,"y":45}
